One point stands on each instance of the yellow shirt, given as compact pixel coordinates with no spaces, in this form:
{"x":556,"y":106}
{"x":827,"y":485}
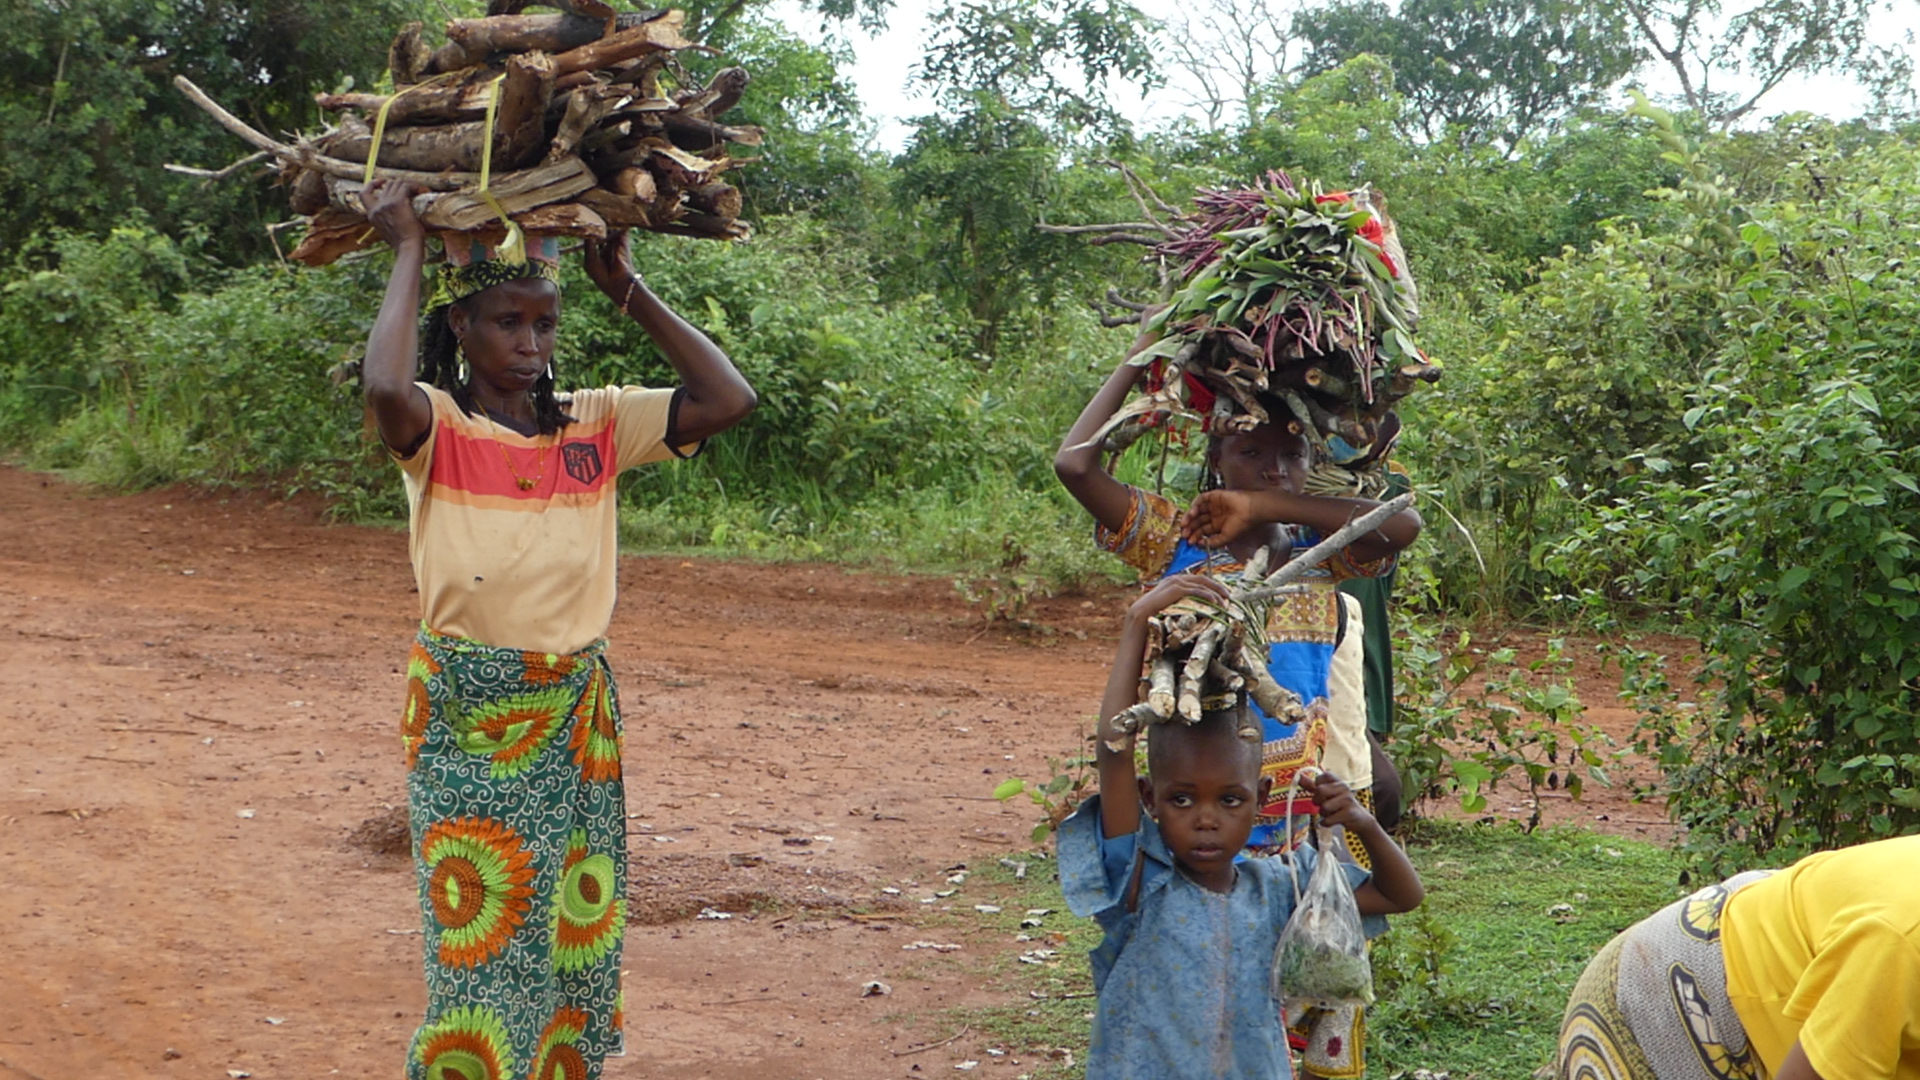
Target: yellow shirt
{"x":1827,"y":952}
{"x":514,"y":538}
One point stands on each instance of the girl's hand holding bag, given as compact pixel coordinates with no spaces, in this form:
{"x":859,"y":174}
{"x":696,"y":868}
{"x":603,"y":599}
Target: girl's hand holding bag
{"x":1321,"y":959}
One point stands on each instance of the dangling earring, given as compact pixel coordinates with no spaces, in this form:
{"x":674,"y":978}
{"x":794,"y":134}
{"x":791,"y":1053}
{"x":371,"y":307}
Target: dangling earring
{"x":549,"y":371}
{"x":460,"y":353}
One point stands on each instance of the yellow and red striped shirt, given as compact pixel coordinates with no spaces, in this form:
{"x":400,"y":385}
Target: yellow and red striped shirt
{"x":527,"y":567}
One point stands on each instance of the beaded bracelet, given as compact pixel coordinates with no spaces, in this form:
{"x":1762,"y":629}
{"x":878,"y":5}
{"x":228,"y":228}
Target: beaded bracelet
{"x":632,"y":284}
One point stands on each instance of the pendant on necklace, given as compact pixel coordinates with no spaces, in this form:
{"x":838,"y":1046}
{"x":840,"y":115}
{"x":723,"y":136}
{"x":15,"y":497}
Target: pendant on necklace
{"x":525,"y":483}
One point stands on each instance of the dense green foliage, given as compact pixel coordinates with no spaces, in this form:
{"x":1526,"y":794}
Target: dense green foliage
{"x":90,"y":117}
{"x":1499,"y":70}
{"x":1679,"y":360}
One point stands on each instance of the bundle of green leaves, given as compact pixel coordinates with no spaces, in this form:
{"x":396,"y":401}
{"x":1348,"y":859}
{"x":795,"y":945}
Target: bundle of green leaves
{"x":1293,"y":295}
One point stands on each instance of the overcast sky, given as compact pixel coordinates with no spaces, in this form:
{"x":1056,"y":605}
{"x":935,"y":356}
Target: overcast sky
{"x":883,"y":65}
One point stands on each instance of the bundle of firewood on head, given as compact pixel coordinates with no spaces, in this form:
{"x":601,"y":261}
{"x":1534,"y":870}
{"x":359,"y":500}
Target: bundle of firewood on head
{"x":1286,"y":304}
{"x":567,"y":124}
{"x":1203,"y":655}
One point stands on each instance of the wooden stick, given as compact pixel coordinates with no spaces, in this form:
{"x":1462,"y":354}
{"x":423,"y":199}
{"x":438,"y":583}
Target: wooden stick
{"x":217,"y":174}
{"x":1160,"y":688}
{"x":1118,"y":226}
{"x":923,"y":1049}
{"x":310,"y":158}
{"x":1326,"y":549}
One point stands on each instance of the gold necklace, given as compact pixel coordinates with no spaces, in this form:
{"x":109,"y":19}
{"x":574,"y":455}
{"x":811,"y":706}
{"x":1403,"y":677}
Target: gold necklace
{"x":524,"y":483}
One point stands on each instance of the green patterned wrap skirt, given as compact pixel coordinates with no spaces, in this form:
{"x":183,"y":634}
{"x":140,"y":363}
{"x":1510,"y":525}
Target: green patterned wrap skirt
{"x":519,"y":845}
{"x":1652,"y":1004}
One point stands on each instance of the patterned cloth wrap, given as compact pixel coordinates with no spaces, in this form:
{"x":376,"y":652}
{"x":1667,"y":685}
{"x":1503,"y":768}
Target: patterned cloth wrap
{"x":473,"y":265}
{"x":1652,"y":1005}
{"x":519,"y":843}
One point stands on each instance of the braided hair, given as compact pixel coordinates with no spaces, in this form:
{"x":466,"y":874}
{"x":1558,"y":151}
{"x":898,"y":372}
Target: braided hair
{"x":440,"y":367}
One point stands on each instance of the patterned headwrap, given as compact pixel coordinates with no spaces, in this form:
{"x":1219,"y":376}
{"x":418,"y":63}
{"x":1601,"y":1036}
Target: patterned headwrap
{"x":472,"y":265}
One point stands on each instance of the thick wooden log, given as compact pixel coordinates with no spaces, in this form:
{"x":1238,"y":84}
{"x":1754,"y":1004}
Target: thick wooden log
{"x":635,"y":183}
{"x":705,"y":226}
{"x":522,"y":114}
{"x":686,"y":170}
{"x":307,"y":155}
{"x":408,"y":56}
{"x":719,"y":198}
{"x":559,"y":219}
{"x":618,"y":211}
{"x":460,"y":211}
{"x":643,"y":74}
{"x":448,"y":99}
{"x":564,"y":219}
{"x":333,"y":232}
{"x":471,"y":41}
{"x":428,"y":149}
{"x":518,"y":137}
{"x":698,"y":134}
{"x":592,"y":9}
{"x":662,"y":34}
{"x":306,"y":191}
{"x":585,"y":109}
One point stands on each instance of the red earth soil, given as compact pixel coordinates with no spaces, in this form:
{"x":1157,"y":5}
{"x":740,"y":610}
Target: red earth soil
{"x":206,"y":868}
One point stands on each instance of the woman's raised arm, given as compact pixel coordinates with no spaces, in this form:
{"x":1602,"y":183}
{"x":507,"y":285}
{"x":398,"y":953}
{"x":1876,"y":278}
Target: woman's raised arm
{"x":400,"y":409}
{"x":715,"y":395}
{"x":1078,"y":464}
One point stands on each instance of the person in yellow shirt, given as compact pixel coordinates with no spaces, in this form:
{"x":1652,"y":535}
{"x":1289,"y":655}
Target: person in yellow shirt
{"x":512,"y":727}
{"x":1807,"y":973}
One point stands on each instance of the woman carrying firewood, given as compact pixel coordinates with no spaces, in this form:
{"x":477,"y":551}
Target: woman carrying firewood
{"x":1252,"y":498}
{"x":511,"y":728}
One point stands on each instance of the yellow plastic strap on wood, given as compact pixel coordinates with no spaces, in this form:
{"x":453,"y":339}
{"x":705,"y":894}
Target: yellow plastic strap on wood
{"x":514,"y":248}
{"x":379,"y":133}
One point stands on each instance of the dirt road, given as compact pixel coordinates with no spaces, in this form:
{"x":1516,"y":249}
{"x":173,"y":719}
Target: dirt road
{"x":205,"y":869}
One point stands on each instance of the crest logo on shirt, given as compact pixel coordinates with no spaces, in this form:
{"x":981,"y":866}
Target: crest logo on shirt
{"x":582,"y":460}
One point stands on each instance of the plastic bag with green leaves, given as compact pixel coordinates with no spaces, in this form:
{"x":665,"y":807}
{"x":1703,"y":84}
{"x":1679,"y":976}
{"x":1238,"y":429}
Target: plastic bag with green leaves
{"x":1322,"y":958}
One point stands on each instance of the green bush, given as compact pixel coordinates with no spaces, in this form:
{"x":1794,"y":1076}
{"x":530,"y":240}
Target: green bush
{"x":1786,"y":528}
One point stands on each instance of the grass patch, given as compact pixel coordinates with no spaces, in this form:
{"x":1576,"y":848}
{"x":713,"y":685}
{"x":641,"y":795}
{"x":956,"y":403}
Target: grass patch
{"x":1472,"y":985}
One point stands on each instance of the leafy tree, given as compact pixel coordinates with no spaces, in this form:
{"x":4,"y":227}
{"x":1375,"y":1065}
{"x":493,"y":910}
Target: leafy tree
{"x":1495,"y":71}
{"x":977,"y":175}
{"x":1760,"y":45}
{"x":1018,"y":53}
{"x":813,"y":158}
{"x":91,"y":118}
{"x":972,"y":186}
